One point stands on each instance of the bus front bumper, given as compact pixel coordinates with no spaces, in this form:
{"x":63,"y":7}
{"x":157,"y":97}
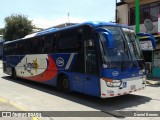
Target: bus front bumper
{"x":127,"y":86}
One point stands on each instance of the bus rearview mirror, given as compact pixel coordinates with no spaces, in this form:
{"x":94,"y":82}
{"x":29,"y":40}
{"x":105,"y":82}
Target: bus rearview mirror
{"x":109,"y":39}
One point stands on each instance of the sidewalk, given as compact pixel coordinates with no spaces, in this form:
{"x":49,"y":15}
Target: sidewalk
{"x":153,"y":80}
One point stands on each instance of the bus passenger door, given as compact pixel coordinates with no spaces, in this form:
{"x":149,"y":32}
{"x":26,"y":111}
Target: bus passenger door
{"x":91,"y":79}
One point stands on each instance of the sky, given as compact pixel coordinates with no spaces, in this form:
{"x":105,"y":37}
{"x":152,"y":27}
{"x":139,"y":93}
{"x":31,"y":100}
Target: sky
{"x":48,"y":13}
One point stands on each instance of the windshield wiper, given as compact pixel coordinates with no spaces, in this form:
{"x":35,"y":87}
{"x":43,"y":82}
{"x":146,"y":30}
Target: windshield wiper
{"x":122,"y":66}
{"x":125,"y":51}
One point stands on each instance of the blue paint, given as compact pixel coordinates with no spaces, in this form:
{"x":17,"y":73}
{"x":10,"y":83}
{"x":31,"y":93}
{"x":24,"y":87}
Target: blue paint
{"x":65,"y":58}
{"x":92,"y":85}
{"x":128,"y":73}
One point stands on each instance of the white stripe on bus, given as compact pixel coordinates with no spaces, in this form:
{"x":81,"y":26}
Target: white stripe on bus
{"x":70,"y":60}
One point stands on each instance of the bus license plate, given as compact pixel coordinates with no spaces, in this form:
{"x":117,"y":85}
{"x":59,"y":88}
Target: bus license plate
{"x":133,"y":87}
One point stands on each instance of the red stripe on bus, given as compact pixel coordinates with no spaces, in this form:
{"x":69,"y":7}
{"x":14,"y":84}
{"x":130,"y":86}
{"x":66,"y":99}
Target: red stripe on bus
{"x":111,"y":94}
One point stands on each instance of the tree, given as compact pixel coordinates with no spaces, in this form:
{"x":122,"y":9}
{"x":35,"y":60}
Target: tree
{"x":1,"y":31}
{"x":17,"y":26}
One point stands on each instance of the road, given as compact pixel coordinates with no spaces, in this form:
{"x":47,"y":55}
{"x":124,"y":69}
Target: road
{"x":23,"y":95}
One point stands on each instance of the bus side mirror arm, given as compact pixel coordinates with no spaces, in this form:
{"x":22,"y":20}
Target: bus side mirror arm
{"x":109,"y":39}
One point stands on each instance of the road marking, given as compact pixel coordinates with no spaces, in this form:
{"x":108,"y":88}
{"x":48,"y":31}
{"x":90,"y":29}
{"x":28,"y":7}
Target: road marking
{"x":3,"y":100}
{"x":152,"y":82}
{"x":35,"y":118}
{"x":17,"y":106}
{"x":13,"y":103}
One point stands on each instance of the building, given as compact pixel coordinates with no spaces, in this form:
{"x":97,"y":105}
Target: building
{"x":149,"y":9}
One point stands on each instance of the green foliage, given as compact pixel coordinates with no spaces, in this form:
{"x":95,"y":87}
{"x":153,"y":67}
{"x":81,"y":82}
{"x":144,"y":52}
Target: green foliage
{"x":17,"y":26}
{"x":1,"y":31}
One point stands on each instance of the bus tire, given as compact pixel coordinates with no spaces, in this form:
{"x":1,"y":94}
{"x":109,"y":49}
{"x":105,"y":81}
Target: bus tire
{"x":14,"y":75}
{"x":63,"y":84}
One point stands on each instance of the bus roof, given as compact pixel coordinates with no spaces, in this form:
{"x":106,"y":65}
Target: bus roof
{"x":52,"y":30}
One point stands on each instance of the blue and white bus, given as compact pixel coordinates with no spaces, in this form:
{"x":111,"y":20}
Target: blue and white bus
{"x":95,"y":58}
{"x":1,"y":45}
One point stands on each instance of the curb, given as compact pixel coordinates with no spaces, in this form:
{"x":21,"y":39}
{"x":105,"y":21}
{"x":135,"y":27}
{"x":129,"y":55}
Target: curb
{"x":152,"y":82}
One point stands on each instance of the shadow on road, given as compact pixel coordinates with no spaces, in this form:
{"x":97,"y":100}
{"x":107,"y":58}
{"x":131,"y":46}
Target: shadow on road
{"x":154,"y":85}
{"x":109,"y":104}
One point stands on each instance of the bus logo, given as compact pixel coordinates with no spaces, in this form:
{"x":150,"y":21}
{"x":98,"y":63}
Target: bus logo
{"x":115,"y":73}
{"x":30,"y":66}
{"x":60,"y":62}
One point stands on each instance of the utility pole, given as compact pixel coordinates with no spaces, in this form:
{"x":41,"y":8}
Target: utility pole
{"x":137,"y":16}
{"x":116,"y":13}
{"x":68,"y":19}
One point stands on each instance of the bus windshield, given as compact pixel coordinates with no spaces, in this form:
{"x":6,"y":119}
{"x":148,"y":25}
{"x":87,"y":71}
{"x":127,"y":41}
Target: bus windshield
{"x":117,"y":57}
{"x":126,"y":51}
{"x":136,"y":53}
{"x":133,"y":44}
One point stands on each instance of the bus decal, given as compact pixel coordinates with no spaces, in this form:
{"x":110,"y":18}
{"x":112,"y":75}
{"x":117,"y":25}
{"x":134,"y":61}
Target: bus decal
{"x":29,"y":66}
{"x":48,"y":74}
{"x":70,"y":60}
{"x":60,"y":62}
{"x":39,"y":68}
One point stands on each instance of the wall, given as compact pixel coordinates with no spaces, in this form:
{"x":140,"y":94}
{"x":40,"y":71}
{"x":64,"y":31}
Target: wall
{"x":123,"y":14}
{"x":142,"y":2}
{"x":143,"y":29}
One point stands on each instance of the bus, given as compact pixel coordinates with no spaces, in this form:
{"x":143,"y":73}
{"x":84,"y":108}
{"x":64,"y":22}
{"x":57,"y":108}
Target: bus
{"x":1,"y":45}
{"x":95,"y":58}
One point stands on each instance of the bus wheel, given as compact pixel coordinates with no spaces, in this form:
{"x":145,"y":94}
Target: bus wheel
{"x":14,"y":73}
{"x":65,"y":85}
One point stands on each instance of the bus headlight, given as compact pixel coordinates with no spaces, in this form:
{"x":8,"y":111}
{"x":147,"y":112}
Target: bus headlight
{"x":112,"y":83}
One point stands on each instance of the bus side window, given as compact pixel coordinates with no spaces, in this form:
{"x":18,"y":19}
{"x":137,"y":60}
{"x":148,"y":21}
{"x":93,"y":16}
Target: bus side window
{"x":15,"y":49}
{"x":48,"y":44}
{"x":91,"y":59}
{"x":91,"y":62}
{"x":5,"y":50}
{"x":68,"y":41}
{"x":23,"y":47}
{"x":79,"y":40}
{"x":36,"y":46}
{"x":9,"y":49}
